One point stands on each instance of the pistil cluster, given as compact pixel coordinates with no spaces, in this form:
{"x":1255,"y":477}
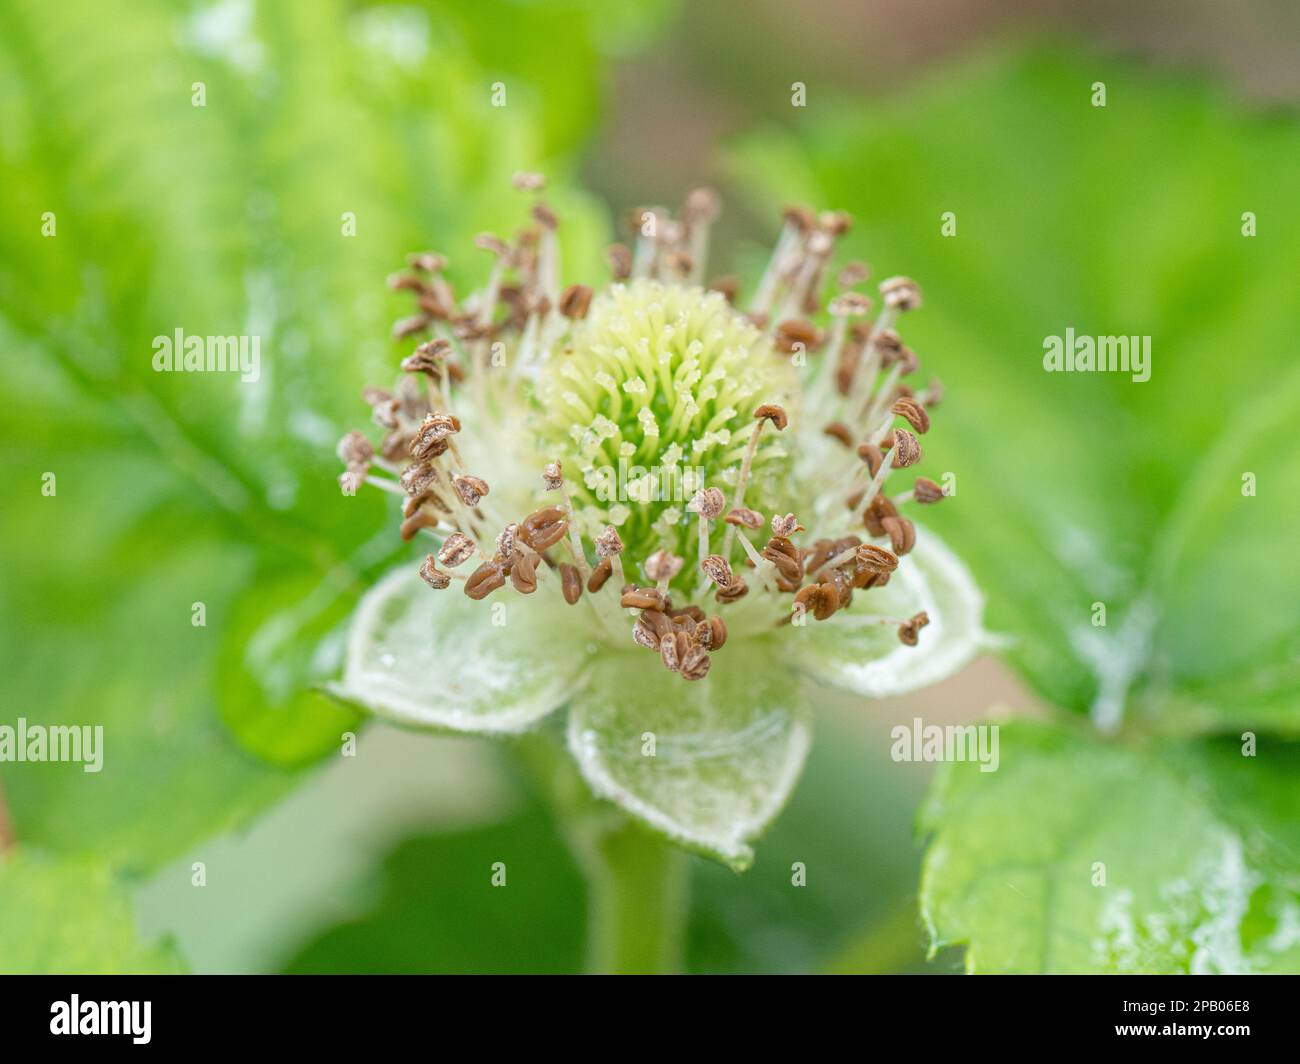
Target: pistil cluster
{"x":590,"y":405}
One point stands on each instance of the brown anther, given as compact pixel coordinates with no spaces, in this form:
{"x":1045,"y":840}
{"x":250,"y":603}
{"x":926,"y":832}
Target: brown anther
{"x":608,"y":543}
{"x":850,"y":305}
{"x":599,"y":575}
{"x":421,"y":518}
{"x":913,"y":412}
{"x":467,"y":327}
{"x":387,"y":414}
{"x":926,"y":491}
{"x":695,"y":663}
{"x":901,"y":293}
{"x":484,"y":580}
{"x":672,"y":648}
{"x":701,"y":205}
{"x":493,"y":243}
{"x":432,"y":576}
{"x":835,"y":223}
{"x":431,"y":438}
{"x":634,"y":219}
{"x":544,"y":528}
{"x":773,"y":413}
{"x":933,"y":394}
{"x":428,"y":261}
{"x":852,"y":273}
{"x":662,"y":622}
{"x":418,"y":477}
{"x":428,"y":358}
{"x":641,"y":598}
{"x":872,"y":455}
{"x":679,"y":264}
{"x":716,"y":569}
{"x":523,"y":574}
{"x":907,"y":361}
{"x":414,"y":502}
{"x":728,"y":285}
{"x":737,"y":591}
{"x":506,"y":542}
{"x":843,"y":585}
{"x":873,"y":559}
{"x":837,"y":430}
{"x":662,"y":566}
{"x":796,"y":334}
{"x":785,"y":526}
{"x":901,"y":533}
{"x":543,"y":215}
{"x":907,"y":449}
{"x":800,"y":217}
{"x":821,"y":600}
{"x":553,"y":476}
{"x":745,"y":517}
{"x":575,"y":300}
{"x":909,"y":632}
{"x":455,"y":550}
{"x":470,"y":488}
{"x":396,"y":446}
{"x":785,"y":556}
{"x":889,"y":344}
{"x":644,"y":634}
{"x":374,"y":397}
{"x":711,"y":634}
{"x":431,"y":306}
{"x":405,"y":327}
{"x":536,"y":303}
{"x":708,"y":503}
{"x":355,"y":450}
{"x":407,"y":282}
{"x":620,"y":261}
{"x":527,"y":181}
{"x":881,"y":507}
{"x":822,"y":551}
{"x":570,"y":583}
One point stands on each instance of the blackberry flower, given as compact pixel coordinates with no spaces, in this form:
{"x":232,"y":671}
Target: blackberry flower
{"x":669,"y":512}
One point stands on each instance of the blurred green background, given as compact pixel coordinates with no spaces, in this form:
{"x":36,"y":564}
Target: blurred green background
{"x":229,"y":218}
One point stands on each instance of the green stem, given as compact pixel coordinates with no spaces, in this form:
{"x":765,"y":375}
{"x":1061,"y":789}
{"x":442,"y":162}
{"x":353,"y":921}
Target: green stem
{"x":637,"y":903}
{"x":638,"y":885}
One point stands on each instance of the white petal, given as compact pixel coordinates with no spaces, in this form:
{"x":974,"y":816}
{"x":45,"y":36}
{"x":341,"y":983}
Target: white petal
{"x":868,"y":659}
{"x":727,"y":750}
{"x":439,"y":660}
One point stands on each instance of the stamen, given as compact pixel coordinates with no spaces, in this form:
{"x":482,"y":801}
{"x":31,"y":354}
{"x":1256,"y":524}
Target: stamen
{"x":708,"y":505}
{"x":925,"y":491}
{"x":432,"y":576}
{"x":909,"y":631}
{"x":610,"y":547}
{"x":763,"y":414}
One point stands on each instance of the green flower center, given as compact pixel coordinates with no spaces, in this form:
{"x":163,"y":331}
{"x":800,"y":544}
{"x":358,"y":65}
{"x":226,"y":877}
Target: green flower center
{"x":653,"y":399}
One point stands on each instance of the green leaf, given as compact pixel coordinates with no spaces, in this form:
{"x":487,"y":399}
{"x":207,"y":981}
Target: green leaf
{"x":437,"y":910}
{"x":1070,"y":484}
{"x":858,"y":654}
{"x":222,"y":219}
{"x":71,"y":918}
{"x":441,"y":661}
{"x":727,"y":750}
{"x":848,"y":829}
{"x":285,"y":635}
{"x":1200,"y":848}
{"x":1222,"y":543}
